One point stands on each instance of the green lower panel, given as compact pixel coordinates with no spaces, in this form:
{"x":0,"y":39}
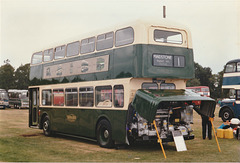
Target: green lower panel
{"x":83,"y":122}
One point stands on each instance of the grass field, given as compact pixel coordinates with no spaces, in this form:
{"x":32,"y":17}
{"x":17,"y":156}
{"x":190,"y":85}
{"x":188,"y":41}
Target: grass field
{"x":19,"y":143}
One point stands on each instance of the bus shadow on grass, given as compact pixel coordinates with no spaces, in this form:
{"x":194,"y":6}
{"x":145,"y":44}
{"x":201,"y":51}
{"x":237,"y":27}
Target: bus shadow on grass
{"x":136,"y":146}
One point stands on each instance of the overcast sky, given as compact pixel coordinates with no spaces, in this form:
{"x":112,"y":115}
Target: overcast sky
{"x":28,"y":26}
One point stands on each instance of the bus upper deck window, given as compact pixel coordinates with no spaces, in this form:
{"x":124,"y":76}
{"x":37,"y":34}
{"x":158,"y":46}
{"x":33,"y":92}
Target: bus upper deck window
{"x":124,"y":36}
{"x":37,"y":58}
{"x":48,"y":55}
{"x":87,"y":45}
{"x":73,"y":49}
{"x":59,"y":52}
{"x":105,"y":41}
{"x":168,"y":37}
{"x":231,"y":67}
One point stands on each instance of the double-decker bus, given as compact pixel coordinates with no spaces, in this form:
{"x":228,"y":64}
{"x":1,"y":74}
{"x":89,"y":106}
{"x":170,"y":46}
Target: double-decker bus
{"x":18,"y":98}
{"x":112,"y":85}
{"x":4,"y":99}
{"x":201,"y":90}
{"x":230,"y":107}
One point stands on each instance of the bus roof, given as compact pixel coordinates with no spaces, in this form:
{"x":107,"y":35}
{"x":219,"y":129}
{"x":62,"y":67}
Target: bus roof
{"x":233,"y":61}
{"x":133,"y":23}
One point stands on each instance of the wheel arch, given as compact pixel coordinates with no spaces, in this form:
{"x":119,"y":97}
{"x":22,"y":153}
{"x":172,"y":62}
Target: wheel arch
{"x":42,"y":118}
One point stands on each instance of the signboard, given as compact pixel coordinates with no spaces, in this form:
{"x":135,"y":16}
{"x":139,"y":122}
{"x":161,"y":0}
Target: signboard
{"x":85,"y":66}
{"x":162,"y":60}
{"x":179,"y":141}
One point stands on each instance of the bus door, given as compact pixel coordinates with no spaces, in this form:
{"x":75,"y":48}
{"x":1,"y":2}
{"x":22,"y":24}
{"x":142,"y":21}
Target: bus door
{"x":34,"y":106}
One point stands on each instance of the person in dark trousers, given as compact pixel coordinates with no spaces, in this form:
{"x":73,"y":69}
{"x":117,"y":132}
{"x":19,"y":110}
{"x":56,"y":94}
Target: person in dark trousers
{"x":206,"y":124}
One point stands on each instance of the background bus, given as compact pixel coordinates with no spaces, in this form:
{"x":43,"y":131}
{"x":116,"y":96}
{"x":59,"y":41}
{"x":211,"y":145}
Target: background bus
{"x":4,"y":99}
{"x":230,"y":106}
{"x":18,"y":98}
{"x":202,"y":90}
{"x":112,"y":85}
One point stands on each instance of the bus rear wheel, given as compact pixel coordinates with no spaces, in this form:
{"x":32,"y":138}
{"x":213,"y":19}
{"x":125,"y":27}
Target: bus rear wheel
{"x":104,"y":134}
{"x":46,"y":126}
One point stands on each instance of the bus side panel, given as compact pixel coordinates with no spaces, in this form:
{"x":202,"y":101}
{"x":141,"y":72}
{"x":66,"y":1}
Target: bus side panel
{"x":117,"y":119}
{"x":237,"y":110}
{"x":57,"y":117}
{"x":83,"y":122}
{"x":125,"y":62}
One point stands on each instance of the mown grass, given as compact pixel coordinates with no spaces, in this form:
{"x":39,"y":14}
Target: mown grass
{"x":18,"y":143}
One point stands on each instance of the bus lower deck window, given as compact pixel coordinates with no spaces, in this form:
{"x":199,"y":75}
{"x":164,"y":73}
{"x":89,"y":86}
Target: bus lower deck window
{"x":46,"y":97}
{"x":103,"y":96}
{"x":149,"y":86}
{"x":86,"y":96}
{"x":118,"y":96}
{"x":167,"y":86}
{"x":71,"y":96}
{"x":58,"y":97}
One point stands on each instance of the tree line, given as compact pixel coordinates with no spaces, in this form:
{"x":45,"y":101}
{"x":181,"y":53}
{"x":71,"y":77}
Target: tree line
{"x":19,"y":78}
{"x":14,"y":79}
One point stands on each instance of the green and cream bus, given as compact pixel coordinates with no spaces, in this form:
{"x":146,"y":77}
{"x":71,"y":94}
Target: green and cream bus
{"x":111,"y":85}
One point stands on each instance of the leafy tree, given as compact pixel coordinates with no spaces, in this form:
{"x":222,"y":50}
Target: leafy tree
{"x":218,"y":84}
{"x":22,"y":76}
{"x":193,"y":82}
{"x":204,"y":77}
{"x":7,"y":77}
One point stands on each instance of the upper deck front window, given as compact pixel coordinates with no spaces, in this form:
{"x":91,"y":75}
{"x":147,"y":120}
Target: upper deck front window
{"x":37,"y":58}
{"x":168,"y":37}
{"x":231,"y":67}
{"x":238,"y":67}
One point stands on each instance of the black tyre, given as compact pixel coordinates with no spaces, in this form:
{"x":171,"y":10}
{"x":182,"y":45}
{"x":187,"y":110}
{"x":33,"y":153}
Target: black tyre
{"x":47,"y":126}
{"x":226,"y":114}
{"x":104,"y":134}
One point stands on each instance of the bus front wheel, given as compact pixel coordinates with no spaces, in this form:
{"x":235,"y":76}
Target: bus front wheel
{"x":104,"y":134}
{"x":226,"y":114}
{"x":46,"y":126}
